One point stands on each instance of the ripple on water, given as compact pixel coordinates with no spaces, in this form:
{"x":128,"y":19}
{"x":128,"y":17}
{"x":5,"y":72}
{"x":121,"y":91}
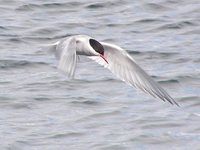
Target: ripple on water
{"x":3,"y":28}
{"x":85,"y":102}
{"x":149,"y":20}
{"x":98,"y":5}
{"x":176,"y":25}
{"x":160,"y":55}
{"x":10,"y":64}
{"x":190,"y":101}
{"x":31,"y":6}
{"x":156,"y":7}
{"x":169,"y":81}
{"x":68,"y":134}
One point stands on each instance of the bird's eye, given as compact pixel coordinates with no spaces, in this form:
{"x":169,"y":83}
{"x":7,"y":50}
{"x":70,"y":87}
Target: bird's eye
{"x":96,"y":46}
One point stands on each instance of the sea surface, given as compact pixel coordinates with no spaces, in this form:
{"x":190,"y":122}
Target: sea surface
{"x":41,"y":109}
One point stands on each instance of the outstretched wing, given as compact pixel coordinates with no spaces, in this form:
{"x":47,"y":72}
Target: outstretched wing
{"x":66,"y":54}
{"x":124,"y":67}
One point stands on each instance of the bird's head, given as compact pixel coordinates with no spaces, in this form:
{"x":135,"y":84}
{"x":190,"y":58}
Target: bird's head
{"x":98,"y":47}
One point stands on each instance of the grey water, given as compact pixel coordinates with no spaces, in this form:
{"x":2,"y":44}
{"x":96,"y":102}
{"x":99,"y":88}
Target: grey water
{"x":41,"y":109}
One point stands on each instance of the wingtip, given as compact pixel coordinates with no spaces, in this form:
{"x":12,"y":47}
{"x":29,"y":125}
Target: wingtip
{"x":173,"y":102}
{"x":176,"y":104}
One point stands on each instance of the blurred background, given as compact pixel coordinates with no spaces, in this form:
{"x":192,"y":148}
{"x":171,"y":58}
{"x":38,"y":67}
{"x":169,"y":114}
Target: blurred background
{"x":41,"y":109}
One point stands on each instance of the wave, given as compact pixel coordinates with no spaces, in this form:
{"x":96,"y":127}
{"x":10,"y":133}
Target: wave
{"x":29,"y":7}
{"x":2,"y":27}
{"x":156,"y":6}
{"x":169,"y":81}
{"x":69,"y":134}
{"x":175,"y":25}
{"x":149,"y":20}
{"x":99,"y":5}
{"x":9,"y":64}
{"x":85,"y":102}
{"x":155,"y":54}
{"x":190,"y":101}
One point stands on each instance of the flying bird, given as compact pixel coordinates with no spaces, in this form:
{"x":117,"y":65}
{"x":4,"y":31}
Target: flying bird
{"x":112,"y":57}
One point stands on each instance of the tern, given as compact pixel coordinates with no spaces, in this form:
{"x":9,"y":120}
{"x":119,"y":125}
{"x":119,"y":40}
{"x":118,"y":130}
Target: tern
{"x":112,"y":57}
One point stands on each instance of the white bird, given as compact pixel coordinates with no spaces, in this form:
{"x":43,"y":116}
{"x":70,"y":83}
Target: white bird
{"x":112,"y":57}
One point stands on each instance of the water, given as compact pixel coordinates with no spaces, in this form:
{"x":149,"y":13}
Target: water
{"x":42,"y":109}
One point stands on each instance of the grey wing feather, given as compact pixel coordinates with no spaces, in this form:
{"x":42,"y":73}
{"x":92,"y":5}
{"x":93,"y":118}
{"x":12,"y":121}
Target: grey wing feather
{"x":66,"y":54}
{"x":124,"y":67}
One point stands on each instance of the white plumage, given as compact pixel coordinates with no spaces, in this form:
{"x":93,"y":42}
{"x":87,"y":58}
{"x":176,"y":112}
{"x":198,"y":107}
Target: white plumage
{"x":112,"y":57}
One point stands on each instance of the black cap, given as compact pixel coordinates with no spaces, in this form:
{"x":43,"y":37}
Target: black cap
{"x":96,"y":46}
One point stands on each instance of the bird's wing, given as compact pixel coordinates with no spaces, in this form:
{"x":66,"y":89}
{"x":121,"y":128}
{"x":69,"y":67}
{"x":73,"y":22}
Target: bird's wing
{"x":124,"y":67}
{"x":66,"y":53}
